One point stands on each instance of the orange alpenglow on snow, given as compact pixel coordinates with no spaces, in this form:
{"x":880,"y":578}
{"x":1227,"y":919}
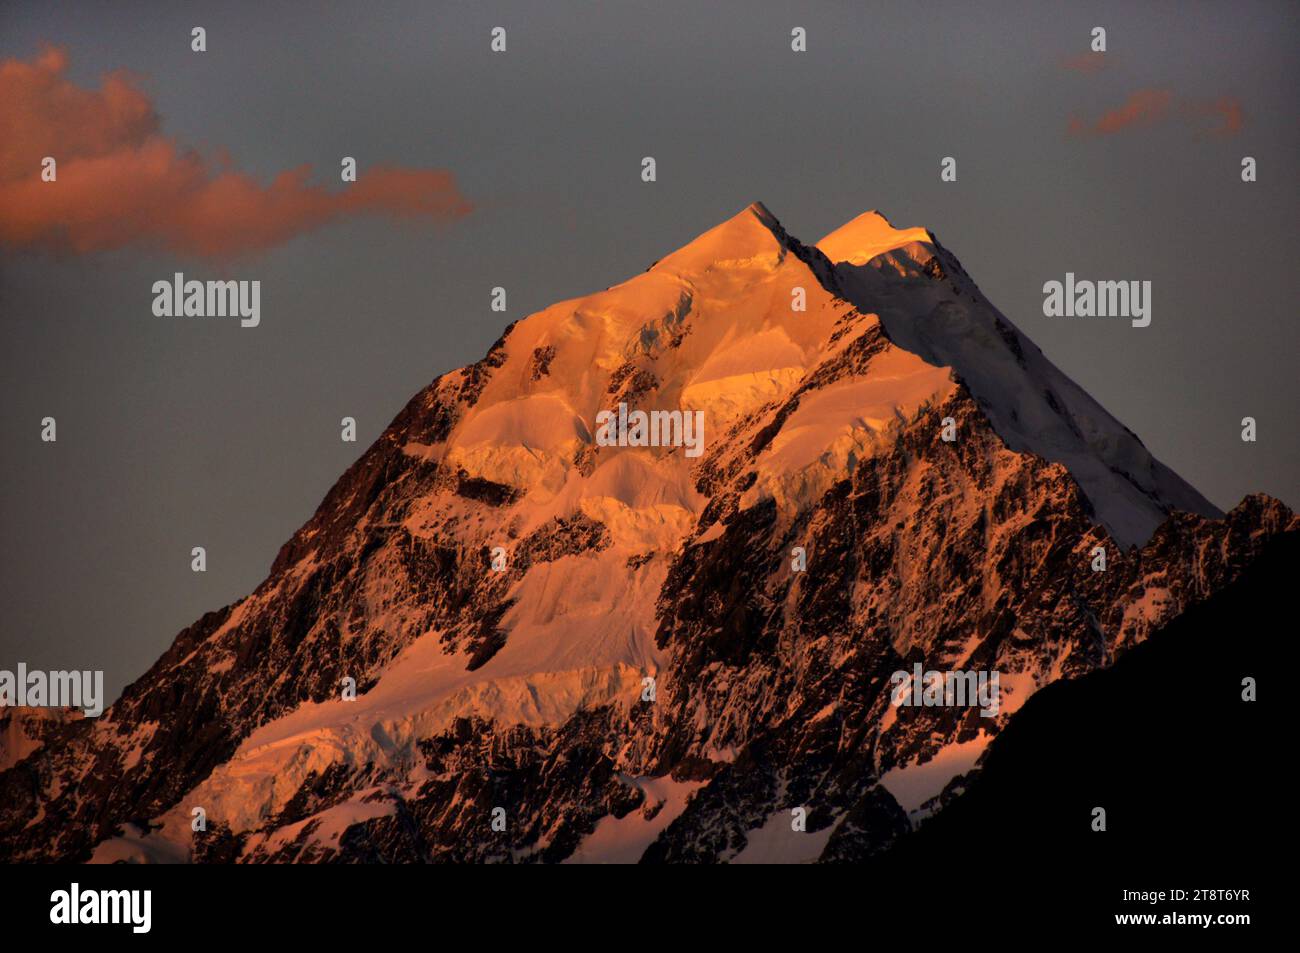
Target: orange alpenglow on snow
{"x":634,"y":568}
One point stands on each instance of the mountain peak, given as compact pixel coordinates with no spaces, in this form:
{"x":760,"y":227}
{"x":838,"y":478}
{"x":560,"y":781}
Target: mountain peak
{"x":752,"y":233}
{"x":869,"y":235}
{"x":763,"y":214}
{"x":502,"y":571}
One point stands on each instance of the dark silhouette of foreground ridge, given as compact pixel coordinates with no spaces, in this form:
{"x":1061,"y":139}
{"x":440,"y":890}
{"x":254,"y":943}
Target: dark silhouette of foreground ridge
{"x":1185,"y":768}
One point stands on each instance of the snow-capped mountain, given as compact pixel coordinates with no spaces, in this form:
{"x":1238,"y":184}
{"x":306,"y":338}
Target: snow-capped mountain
{"x":826,"y":537}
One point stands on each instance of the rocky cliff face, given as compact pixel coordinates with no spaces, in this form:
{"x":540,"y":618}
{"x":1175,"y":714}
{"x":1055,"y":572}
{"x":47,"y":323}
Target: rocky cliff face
{"x":565,"y":650}
{"x":24,"y":730}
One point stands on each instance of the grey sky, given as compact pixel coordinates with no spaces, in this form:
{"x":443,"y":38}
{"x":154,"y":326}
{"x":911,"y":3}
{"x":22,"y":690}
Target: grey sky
{"x":177,"y":433}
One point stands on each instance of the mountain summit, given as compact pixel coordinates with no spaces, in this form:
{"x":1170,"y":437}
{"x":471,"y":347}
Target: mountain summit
{"x":569,"y":647}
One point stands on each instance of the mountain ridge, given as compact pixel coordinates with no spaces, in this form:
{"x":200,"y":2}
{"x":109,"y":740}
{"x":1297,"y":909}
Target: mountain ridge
{"x":479,"y":688}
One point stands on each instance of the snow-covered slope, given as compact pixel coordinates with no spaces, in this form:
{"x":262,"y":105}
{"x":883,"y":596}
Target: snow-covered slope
{"x":1032,"y":405}
{"x":526,"y":686}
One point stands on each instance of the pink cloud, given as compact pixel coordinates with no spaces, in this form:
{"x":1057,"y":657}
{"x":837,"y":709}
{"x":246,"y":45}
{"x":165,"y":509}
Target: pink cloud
{"x":1148,"y":107}
{"x":1226,"y":111}
{"x":1089,"y":62}
{"x":121,"y":183}
{"x":1144,"y":107}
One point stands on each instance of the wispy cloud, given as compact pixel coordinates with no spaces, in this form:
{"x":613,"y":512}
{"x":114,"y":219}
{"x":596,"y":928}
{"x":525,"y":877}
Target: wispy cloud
{"x":1148,"y":107}
{"x":1225,"y":112}
{"x":1144,"y":107}
{"x":1089,"y":62}
{"x":122,"y":183}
